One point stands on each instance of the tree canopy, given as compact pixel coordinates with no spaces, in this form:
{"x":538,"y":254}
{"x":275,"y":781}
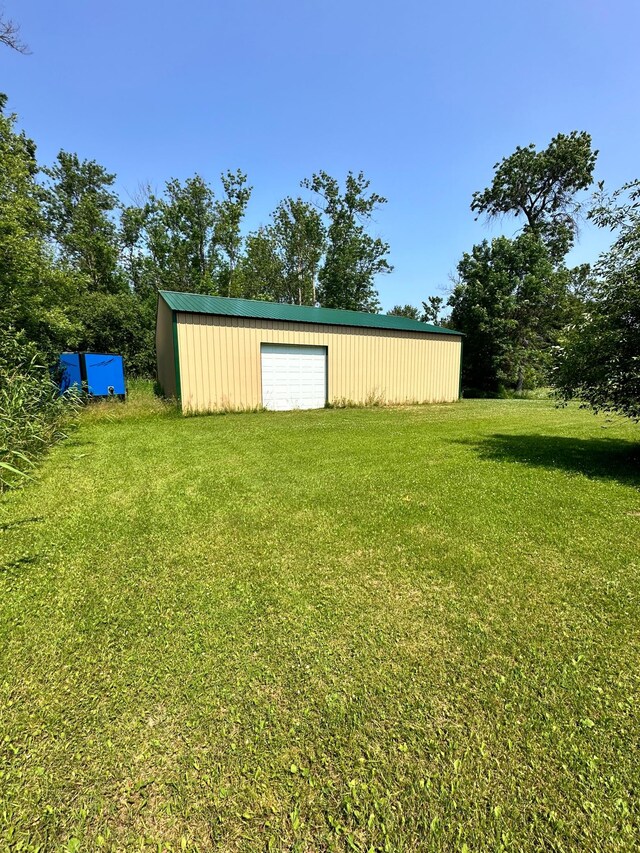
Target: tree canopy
{"x":353,"y":257}
{"x":34,"y":292}
{"x":514,"y":296}
{"x":79,"y":207}
{"x":599,"y":355}
{"x":300,"y":238}
{"x":409,"y":311}
{"x":79,"y":268}
{"x":541,"y":186}
{"x":511,"y":302}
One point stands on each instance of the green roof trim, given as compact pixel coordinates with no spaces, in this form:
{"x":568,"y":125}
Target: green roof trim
{"x":197,"y":303}
{"x":176,"y":354}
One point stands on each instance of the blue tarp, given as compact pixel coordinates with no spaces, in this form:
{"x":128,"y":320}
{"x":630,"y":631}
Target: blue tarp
{"x":71,"y":371}
{"x":105,"y":374}
{"x":99,"y":374}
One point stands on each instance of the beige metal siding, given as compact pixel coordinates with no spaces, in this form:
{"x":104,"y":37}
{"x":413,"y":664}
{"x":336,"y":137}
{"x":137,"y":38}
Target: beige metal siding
{"x":220,"y":361}
{"x":164,"y":350}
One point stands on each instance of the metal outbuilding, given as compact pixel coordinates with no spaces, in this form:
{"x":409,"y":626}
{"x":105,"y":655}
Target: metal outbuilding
{"x":215,"y":353}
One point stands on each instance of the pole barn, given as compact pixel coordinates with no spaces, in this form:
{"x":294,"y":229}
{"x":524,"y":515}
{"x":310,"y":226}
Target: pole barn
{"x":221,"y":354}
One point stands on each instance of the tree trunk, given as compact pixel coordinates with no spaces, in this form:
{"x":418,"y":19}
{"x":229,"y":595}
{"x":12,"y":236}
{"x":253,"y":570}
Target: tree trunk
{"x":232,"y":266}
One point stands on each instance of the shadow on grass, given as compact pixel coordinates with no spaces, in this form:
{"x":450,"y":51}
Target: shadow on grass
{"x":18,"y":563}
{"x":605,"y":458}
{"x":32,"y":520}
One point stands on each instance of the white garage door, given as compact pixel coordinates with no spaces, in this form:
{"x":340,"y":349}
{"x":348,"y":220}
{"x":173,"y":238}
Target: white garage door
{"x":293,"y":377}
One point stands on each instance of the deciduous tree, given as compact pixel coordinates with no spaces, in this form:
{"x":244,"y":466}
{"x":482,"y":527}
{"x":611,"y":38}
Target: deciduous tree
{"x":179,"y":233}
{"x":431,"y":309}
{"x":511,"y":302}
{"x":300,"y":237}
{"x":353,"y":257}
{"x":260,"y":274}
{"x":599,"y":356}
{"x":541,"y":186}
{"x":409,"y":311}
{"x":227,"y":237}
{"x":35,"y":296}
{"x":80,"y":208}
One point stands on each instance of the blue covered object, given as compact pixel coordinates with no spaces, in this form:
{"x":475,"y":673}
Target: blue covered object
{"x":71,"y":373}
{"x":99,"y":374}
{"x":105,"y":375}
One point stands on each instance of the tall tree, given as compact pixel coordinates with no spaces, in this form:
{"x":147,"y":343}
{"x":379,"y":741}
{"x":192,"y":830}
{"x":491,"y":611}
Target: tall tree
{"x":80,"y":208}
{"x":34,"y":296}
{"x":260,"y":272}
{"x":227,"y":237}
{"x":137,"y":315}
{"x":353,"y":257}
{"x":599,"y":357}
{"x":542,"y":186}
{"x":136,"y":259}
{"x":511,"y":302}
{"x":179,"y":232}
{"x":300,"y":236}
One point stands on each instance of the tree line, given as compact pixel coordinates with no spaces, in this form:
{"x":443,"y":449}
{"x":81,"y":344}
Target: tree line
{"x":529,"y":318}
{"x":81,"y":269}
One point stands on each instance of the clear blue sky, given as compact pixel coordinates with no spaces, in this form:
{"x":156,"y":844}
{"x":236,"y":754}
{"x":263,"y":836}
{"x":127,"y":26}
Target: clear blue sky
{"x":423,"y":96}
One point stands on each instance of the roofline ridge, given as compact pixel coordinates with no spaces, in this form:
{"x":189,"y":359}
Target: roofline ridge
{"x":425,"y":327}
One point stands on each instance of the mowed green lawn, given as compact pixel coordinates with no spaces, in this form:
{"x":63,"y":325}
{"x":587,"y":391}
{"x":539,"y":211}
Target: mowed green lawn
{"x":388,"y":629}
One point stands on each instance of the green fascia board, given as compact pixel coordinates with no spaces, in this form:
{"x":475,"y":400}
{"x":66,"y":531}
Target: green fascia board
{"x":197,"y":303}
{"x":176,"y":354}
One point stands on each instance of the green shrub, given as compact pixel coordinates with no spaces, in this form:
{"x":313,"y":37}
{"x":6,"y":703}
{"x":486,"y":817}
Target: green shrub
{"x":32,"y":411}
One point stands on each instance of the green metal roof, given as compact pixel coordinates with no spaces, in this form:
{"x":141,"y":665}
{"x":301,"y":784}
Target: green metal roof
{"x":197,"y":303}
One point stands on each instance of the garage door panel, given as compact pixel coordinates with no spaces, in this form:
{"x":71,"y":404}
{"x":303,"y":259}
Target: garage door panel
{"x":293,"y":377}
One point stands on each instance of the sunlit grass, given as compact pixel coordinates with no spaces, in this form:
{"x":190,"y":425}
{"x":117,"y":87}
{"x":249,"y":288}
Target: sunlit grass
{"x":390,"y":629}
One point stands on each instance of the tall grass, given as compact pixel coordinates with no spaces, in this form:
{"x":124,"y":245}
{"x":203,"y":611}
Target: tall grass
{"x":33,"y":414}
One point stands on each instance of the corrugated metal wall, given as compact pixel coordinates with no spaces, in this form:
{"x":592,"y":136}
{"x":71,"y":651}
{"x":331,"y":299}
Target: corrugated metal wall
{"x":220,"y":361}
{"x":164,"y":350}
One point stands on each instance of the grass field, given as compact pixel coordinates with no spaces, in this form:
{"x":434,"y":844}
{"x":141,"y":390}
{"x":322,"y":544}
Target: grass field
{"x":389,"y":629}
